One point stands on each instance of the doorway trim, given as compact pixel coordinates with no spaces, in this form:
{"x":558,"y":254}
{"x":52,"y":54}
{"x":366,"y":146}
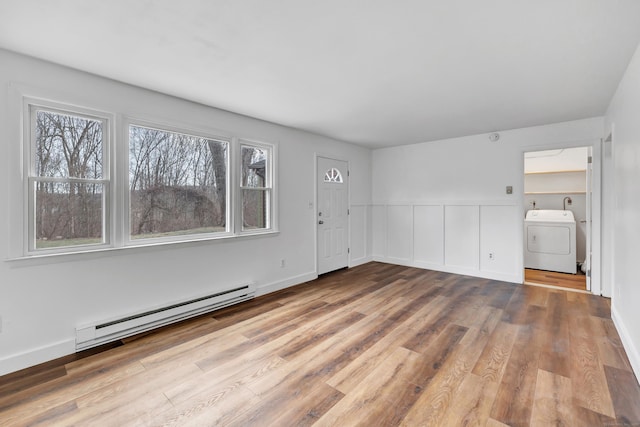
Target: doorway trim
{"x":608,"y":214}
{"x":596,"y":203}
{"x":316,"y":156}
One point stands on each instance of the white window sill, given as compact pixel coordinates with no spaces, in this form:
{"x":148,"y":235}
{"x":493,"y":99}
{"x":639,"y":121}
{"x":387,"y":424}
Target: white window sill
{"x":97,"y":252}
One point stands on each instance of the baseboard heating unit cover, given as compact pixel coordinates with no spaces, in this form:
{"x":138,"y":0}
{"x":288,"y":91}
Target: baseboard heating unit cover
{"x":102,"y":332}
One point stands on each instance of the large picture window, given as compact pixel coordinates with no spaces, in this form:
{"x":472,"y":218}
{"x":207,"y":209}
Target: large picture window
{"x":68,"y":182}
{"x":100,"y":180}
{"x":177,"y":183}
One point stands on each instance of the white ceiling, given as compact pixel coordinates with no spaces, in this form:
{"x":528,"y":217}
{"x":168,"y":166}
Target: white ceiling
{"x":373,"y":72}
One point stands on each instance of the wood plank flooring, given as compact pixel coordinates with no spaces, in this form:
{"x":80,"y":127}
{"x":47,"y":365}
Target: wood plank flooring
{"x":552,"y":278}
{"x":375,"y":345}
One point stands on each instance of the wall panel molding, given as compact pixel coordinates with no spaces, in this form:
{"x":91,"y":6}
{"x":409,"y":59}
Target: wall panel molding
{"x":453,"y":237}
{"x":359,"y":238}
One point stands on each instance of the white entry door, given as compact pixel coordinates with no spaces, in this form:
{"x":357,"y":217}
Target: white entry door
{"x":332,"y":215}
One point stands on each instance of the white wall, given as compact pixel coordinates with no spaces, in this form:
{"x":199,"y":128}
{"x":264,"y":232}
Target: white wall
{"x":443,"y":204}
{"x":42,"y":300}
{"x":623,"y":115}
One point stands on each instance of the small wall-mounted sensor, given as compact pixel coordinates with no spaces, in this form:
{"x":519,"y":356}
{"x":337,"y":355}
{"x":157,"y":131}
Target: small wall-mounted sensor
{"x":509,"y":189}
{"x":493,"y":137}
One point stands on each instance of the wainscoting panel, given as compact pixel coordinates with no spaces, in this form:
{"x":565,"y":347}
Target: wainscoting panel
{"x":497,"y":241}
{"x":428,"y":238}
{"x":400,"y":232}
{"x":457,"y":237}
{"x":358,"y":222}
{"x":461,"y":236}
{"x":379,"y":230}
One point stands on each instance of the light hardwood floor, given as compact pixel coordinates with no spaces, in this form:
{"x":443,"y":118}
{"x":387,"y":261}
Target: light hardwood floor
{"x":375,"y":345}
{"x":562,"y":280}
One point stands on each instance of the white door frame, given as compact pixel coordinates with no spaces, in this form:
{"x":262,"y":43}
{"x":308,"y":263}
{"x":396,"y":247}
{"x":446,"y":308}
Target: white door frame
{"x":596,"y":204}
{"x":608,"y":207}
{"x":589,"y":225}
{"x":315,"y":204}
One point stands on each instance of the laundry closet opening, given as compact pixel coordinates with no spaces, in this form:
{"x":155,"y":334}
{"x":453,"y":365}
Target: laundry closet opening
{"x":557,"y":234}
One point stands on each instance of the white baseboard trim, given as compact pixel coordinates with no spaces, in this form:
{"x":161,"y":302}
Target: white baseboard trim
{"x":503,"y":277}
{"x":36,"y":356}
{"x":283,"y":284}
{"x":360,"y":261}
{"x":632,"y":351}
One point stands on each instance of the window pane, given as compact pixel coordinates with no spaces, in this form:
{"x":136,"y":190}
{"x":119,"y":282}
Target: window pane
{"x":67,"y":146}
{"x":254,"y":163}
{"x":177,"y":183}
{"x":333,"y":175}
{"x":68,"y":214}
{"x":254,"y":209}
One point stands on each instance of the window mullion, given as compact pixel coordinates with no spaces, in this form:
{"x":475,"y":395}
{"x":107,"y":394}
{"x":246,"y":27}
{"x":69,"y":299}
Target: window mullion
{"x":70,"y":180}
{"x":235,"y":213}
{"x":120,"y":221}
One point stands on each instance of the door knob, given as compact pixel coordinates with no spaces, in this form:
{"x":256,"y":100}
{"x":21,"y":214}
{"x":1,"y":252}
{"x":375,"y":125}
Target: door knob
{"x":321,"y":222}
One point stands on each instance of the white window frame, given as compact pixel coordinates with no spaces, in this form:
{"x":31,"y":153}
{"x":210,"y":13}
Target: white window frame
{"x":115,"y":179}
{"x":269,"y":188}
{"x":30,"y":106}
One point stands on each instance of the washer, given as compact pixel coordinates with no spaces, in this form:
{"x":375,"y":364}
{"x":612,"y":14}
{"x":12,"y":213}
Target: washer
{"x":550,"y":240}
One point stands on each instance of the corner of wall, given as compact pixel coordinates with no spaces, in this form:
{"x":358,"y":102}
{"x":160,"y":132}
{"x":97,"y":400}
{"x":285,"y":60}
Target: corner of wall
{"x":633,"y":353}
{"x":37,"y":356}
{"x":283,"y":284}
{"x":360,"y":261}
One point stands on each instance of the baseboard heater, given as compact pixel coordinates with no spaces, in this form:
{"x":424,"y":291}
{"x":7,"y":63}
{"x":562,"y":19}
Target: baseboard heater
{"x":92,"y":335}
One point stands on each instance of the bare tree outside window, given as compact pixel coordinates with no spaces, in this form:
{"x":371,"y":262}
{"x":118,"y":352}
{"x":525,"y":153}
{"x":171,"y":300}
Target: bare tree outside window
{"x":254,"y":185}
{"x":177,"y":183}
{"x":67,"y":180}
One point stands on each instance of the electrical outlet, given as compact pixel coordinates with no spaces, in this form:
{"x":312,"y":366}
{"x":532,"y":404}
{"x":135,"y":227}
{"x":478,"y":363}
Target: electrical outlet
{"x":492,"y":256}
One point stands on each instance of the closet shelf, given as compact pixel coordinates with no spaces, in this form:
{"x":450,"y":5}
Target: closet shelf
{"x":554,"y":192}
{"x":555,"y":172}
